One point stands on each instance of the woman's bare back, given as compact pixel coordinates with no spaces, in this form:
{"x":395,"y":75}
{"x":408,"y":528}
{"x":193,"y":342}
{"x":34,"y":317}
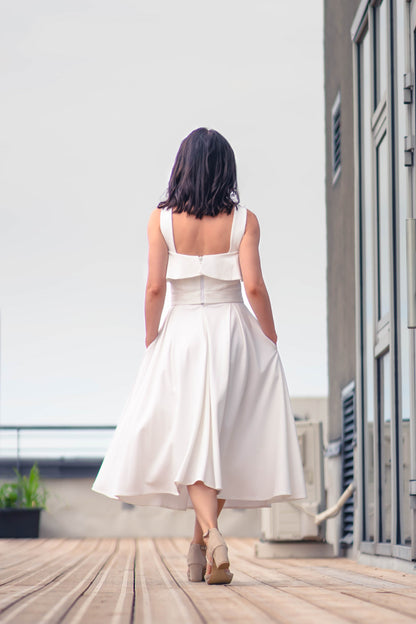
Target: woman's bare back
{"x":199,"y":237}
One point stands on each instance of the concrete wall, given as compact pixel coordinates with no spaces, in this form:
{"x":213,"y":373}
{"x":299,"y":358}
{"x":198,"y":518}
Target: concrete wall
{"x":75,"y":511}
{"x":338,"y":17}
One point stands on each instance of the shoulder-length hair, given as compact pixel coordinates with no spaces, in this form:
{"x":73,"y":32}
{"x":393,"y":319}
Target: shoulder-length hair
{"x":204,"y":176}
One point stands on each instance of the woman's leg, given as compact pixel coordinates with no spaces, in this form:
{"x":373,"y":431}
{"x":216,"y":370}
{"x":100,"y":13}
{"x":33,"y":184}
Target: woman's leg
{"x":207,"y":508}
{"x":204,"y":501}
{"x":198,"y":532}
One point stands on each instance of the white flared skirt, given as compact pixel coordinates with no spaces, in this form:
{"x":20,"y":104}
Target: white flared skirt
{"x":210,"y":403}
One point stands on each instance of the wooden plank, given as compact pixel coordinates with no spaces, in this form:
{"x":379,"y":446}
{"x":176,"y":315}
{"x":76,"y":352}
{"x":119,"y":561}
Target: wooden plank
{"x":14,"y":545}
{"x":110,"y":597}
{"x":159,"y":598}
{"x":304,"y":570}
{"x":251,"y":600}
{"x":398,"y":602}
{"x":289,"y":608}
{"x":19,"y":581}
{"x":405,"y":578}
{"x":15,"y":593}
{"x":38,"y":563}
{"x":348,"y":576}
{"x":7,"y":543}
{"x":306,"y":575}
{"x":78,"y":581}
{"x":11,"y":592}
{"x":14,"y":552}
{"x":49,"y":598}
{"x":354,"y":609}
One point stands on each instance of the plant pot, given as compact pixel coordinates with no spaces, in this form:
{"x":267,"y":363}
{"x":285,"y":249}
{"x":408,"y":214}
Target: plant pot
{"x":19,"y":522}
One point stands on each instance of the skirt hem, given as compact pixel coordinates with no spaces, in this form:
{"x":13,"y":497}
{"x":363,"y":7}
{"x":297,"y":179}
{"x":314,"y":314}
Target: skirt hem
{"x":167,"y":500}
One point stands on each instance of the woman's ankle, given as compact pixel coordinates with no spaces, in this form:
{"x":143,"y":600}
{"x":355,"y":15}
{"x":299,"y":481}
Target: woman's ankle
{"x":206,"y":534}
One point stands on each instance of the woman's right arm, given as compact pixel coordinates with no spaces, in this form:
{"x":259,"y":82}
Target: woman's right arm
{"x":254,"y":285}
{"x":156,"y":277}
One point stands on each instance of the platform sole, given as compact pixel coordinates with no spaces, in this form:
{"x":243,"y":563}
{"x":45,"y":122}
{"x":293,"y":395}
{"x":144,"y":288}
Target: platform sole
{"x":220,"y":575}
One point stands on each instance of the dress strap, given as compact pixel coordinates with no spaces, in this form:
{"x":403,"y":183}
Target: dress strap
{"x":238,"y":227}
{"x":166,"y":227}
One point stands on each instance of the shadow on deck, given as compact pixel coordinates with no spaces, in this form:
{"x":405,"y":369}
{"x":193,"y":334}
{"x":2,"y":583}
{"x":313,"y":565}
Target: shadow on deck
{"x":121,"y":581}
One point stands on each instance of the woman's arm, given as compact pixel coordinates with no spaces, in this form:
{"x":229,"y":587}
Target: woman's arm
{"x":253,"y":279}
{"x":156,"y":277}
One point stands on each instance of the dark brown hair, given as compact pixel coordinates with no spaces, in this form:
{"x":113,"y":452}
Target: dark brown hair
{"x":204,"y":176}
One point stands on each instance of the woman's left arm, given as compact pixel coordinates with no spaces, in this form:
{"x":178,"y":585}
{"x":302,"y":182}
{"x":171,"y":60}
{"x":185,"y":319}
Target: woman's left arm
{"x":156,"y":277}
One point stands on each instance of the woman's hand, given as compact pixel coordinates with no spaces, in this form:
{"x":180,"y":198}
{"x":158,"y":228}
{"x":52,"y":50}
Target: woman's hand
{"x":273,"y":337}
{"x":149,"y":341}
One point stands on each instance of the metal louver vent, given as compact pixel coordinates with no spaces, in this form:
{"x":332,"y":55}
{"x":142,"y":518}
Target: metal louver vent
{"x":336,"y":138}
{"x":348,"y":443}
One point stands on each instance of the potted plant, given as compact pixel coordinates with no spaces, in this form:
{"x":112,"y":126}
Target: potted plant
{"x":21,"y":502}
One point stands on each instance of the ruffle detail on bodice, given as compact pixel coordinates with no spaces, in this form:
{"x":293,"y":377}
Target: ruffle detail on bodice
{"x":218,"y":266}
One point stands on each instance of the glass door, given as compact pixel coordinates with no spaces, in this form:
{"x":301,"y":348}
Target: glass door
{"x":385,"y":62}
{"x":376,"y":259}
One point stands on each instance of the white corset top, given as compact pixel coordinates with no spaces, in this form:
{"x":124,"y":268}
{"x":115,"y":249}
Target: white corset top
{"x":219,"y":266}
{"x":222,"y":266}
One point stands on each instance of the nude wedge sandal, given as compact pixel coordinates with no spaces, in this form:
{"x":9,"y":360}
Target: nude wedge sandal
{"x":197,"y":563}
{"x":217,"y":556}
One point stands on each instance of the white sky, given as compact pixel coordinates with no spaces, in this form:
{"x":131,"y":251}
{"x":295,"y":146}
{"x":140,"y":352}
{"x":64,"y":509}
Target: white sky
{"x":95,"y":97}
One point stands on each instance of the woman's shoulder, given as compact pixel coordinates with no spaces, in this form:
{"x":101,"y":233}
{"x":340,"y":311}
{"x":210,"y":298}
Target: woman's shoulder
{"x":252,"y":222}
{"x":250,"y":214}
{"x":154,"y":216}
{"x":153,"y":223}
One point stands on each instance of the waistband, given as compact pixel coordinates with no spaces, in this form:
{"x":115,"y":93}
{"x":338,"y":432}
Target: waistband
{"x":204,"y":290}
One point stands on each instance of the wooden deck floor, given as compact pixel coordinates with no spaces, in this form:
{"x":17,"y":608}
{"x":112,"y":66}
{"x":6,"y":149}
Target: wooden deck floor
{"x":117,"y":581}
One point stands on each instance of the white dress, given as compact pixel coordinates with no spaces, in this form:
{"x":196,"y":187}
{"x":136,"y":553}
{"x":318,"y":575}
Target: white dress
{"x":210,"y":402}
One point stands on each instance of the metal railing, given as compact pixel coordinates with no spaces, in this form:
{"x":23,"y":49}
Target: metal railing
{"x":54,"y":441}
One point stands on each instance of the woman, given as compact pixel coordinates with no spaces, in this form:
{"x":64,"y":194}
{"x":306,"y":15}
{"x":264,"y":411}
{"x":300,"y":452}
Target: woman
{"x":209,"y":422}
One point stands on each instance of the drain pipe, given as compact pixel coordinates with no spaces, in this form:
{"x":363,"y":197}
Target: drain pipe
{"x":335,"y":509}
{"x":331,"y":511}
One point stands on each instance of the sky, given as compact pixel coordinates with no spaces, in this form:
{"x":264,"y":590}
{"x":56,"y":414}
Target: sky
{"x":95,"y":98}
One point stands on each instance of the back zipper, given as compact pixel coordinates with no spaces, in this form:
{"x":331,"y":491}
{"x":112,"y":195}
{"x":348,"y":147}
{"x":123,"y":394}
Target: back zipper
{"x":201,"y":283}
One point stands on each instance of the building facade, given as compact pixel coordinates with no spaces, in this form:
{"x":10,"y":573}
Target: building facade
{"x":370,"y":119}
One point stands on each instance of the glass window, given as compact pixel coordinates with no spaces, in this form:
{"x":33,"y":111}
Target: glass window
{"x":383,"y":263}
{"x":384,"y":404}
{"x":380,"y":64}
{"x":368,"y":281}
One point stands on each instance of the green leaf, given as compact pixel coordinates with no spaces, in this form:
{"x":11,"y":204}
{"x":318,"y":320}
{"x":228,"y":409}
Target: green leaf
{"x":27,"y":492}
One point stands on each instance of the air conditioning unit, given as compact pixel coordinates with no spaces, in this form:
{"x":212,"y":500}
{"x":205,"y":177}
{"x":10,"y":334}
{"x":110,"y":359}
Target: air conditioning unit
{"x":286,"y":521}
